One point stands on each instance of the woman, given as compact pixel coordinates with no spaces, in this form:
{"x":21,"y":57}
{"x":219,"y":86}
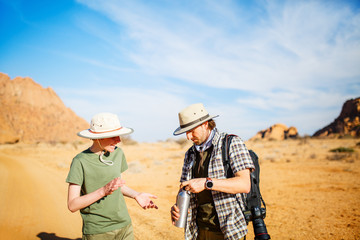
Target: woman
{"x":95,"y":184}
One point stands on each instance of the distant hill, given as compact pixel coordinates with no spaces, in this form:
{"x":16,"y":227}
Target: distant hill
{"x":347,"y":123}
{"x":30,"y":113}
{"x":276,"y":132}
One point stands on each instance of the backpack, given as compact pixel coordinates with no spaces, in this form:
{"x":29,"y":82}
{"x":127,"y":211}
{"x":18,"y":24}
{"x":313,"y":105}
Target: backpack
{"x":253,"y":201}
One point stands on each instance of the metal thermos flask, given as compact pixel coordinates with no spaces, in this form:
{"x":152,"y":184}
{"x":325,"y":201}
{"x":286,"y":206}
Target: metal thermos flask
{"x":182,"y":202}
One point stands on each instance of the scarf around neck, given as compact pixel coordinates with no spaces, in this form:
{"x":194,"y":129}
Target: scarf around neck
{"x":205,"y":145}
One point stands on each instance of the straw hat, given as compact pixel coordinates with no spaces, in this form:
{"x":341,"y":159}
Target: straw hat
{"x":105,"y":125}
{"x":191,"y":117}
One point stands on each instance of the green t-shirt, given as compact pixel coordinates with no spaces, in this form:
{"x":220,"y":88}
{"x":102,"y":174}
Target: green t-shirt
{"x":110,"y":212}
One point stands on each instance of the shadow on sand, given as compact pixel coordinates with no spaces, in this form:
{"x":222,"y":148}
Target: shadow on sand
{"x":52,"y":236}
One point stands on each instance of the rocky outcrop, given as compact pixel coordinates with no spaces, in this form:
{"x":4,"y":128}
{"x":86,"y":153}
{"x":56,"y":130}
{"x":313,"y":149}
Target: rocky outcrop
{"x":347,"y":123}
{"x":31,"y":113}
{"x":276,"y":132}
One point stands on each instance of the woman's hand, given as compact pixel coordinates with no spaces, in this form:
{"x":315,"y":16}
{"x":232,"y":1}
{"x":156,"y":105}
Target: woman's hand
{"x":113,"y":185}
{"x":144,"y":200}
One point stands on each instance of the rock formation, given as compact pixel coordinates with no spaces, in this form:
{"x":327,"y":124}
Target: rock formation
{"x":276,"y":132}
{"x":31,"y":114}
{"x":347,"y":123}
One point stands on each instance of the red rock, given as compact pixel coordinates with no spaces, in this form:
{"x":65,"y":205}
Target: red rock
{"x":347,"y":123}
{"x":276,"y":132}
{"x":31,"y":113}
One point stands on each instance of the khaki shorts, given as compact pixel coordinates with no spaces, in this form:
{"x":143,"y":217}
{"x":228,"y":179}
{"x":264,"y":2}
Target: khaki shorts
{"x":125,"y":233}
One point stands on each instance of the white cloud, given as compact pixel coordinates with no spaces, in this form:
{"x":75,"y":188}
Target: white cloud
{"x":295,"y":60}
{"x":300,"y":42}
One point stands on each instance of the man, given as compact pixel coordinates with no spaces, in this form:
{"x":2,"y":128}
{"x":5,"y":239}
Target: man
{"x":94,"y":181}
{"x":215,"y":203}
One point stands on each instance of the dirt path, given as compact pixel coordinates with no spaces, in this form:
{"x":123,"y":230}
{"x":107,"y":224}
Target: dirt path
{"x":34,"y":204}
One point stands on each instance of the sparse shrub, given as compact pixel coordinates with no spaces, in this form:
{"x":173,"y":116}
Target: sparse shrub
{"x":346,"y":136}
{"x":182,"y":141}
{"x":342,"y":150}
{"x":76,"y":144}
{"x":304,"y":140}
{"x":340,"y":153}
{"x":127,"y":140}
{"x":337,"y":156}
{"x":12,"y":141}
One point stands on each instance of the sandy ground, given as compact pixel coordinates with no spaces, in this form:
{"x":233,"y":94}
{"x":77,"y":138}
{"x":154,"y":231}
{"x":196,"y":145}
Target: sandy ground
{"x":310,"y":192}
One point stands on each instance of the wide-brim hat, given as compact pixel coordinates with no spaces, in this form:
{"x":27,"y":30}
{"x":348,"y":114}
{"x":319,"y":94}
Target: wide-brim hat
{"x":105,"y":125}
{"x":191,"y":117}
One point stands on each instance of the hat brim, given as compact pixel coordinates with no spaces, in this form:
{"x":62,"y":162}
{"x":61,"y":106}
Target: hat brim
{"x":180,"y":130}
{"x":121,"y":132}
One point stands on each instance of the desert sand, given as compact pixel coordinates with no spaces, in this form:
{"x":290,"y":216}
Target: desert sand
{"x":310,"y":192}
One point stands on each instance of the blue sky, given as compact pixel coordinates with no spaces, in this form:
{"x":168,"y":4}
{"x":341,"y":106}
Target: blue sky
{"x":255,"y":63}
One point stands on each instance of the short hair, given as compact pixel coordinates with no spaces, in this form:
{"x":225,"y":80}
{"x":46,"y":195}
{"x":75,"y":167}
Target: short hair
{"x":211,"y":124}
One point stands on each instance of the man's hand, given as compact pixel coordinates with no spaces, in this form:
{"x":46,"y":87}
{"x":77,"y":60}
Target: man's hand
{"x":113,"y":185}
{"x":175,"y":214}
{"x":144,"y":200}
{"x":195,"y":185}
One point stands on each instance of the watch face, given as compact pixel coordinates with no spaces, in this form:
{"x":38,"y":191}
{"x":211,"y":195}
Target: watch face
{"x":209,"y":184}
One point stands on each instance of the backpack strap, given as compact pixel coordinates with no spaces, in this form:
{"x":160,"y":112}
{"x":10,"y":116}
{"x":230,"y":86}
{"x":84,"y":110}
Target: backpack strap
{"x":254,"y":198}
{"x":225,"y":151}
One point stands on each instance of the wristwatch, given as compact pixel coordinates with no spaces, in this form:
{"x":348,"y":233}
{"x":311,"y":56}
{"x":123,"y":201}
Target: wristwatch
{"x":209,"y":184}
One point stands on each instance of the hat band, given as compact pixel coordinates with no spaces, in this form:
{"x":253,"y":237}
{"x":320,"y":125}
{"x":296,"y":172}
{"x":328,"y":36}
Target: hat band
{"x":193,"y":122}
{"x":105,"y":131}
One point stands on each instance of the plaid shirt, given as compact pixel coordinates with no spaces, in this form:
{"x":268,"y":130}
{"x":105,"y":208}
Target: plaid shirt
{"x":228,"y":206}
